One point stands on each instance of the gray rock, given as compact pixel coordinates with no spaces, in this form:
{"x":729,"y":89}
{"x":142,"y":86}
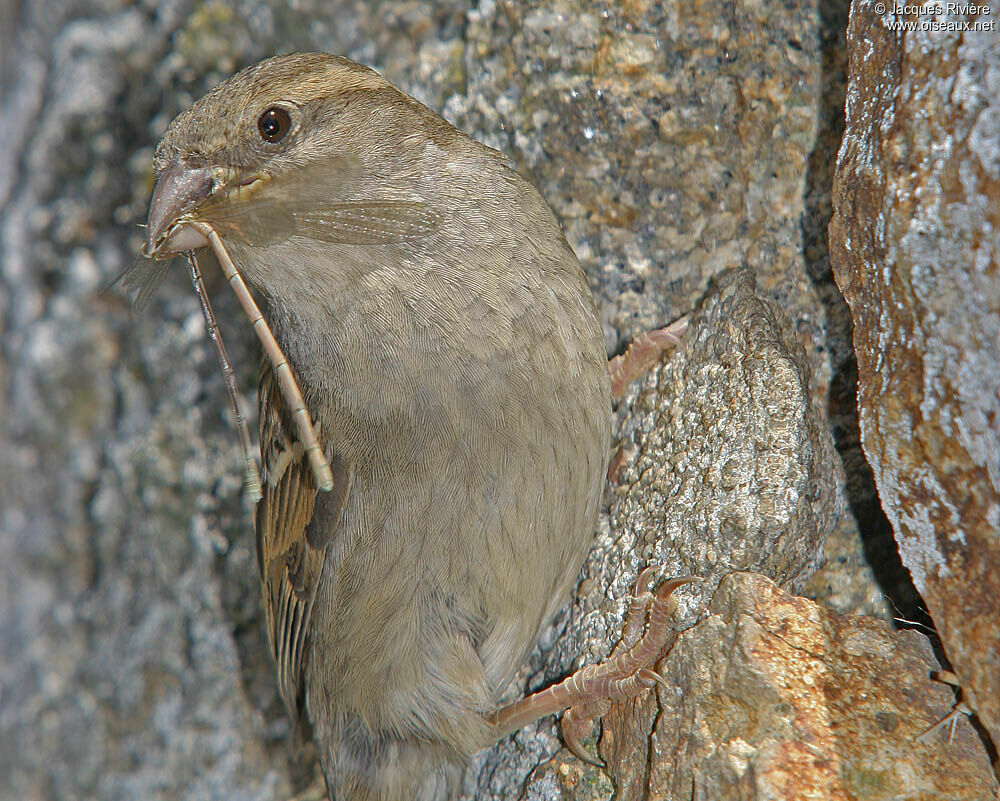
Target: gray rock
{"x":916,"y":250}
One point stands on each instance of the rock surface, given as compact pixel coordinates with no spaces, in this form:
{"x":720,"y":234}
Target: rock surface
{"x":772,"y":696}
{"x":724,"y":464}
{"x":777,"y":697}
{"x":916,"y":248}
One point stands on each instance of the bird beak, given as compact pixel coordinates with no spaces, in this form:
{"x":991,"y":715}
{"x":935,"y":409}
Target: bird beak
{"x":180,"y":189}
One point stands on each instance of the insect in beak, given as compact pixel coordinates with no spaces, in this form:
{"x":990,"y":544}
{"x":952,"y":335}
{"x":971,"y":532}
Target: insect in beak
{"x":174,"y":227}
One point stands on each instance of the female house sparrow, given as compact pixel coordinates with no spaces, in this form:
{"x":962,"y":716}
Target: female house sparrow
{"x":448,"y":349}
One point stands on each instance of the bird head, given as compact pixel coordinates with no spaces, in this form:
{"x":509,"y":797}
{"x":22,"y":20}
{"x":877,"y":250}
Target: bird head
{"x":304,"y":131}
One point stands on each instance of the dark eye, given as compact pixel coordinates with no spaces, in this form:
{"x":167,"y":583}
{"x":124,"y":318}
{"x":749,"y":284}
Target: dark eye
{"x":274,"y":124}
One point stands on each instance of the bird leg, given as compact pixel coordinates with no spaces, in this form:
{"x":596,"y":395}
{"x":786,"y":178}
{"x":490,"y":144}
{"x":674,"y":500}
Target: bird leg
{"x":587,"y":693}
{"x":642,"y":353}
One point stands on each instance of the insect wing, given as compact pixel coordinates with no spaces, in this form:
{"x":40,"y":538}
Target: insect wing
{"x":141,"y":280}
{"x":371,"y":223}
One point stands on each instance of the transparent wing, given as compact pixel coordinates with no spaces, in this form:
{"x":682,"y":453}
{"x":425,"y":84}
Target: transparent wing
{"x":365,"y":223}
{"x":302,"y":203}
{"x":256,"y":220}
{"x":141,"y":280}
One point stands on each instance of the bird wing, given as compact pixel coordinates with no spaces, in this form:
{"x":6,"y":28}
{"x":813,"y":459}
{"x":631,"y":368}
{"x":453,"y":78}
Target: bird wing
{"x":291,"y":544}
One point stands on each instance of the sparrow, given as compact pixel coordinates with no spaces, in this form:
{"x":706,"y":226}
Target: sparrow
{"x":453,"y":367}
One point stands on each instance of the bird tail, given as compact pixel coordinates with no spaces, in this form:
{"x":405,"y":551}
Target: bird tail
{"x":360,"y":765}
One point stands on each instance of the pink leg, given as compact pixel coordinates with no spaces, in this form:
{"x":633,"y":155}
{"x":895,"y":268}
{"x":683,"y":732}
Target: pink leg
{"x":578,"y":720}
{"x":635,"y":617}
{"x":642,"y":353}
{"x":622,"y":676}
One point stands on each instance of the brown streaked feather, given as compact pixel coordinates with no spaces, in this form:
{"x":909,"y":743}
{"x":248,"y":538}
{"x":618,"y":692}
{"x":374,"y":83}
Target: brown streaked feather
{"x":290,"y":551}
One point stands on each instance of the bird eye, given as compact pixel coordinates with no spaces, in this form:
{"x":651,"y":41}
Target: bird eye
{"x":274,"y":124}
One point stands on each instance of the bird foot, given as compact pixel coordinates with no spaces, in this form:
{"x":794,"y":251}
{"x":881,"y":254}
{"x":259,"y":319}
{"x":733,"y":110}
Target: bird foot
{"x":588,"y":693}
{"x":642,"y":353}
{"x":628,"y":671}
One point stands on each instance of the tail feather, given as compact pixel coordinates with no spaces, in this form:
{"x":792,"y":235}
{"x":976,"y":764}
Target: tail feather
{"x":361,"y":765}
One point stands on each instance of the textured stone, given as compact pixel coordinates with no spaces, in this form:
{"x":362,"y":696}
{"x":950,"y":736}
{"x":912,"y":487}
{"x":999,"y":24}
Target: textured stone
{"x":121,"y":676}
{"x":673,"y":141}
{"x":774,"y":697}
{"x":724,"y":462}
{"x":916,"y":248}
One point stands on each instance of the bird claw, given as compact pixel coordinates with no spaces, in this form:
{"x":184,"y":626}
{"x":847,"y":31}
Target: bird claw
{"x":635,"y":616}
{"x":576,"y":725}
{"x":624,"y":675}
{"x":628,"y":672}
{"x":650,"y":678}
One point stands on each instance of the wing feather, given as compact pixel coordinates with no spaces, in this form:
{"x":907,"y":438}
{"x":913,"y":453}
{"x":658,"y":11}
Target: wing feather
{"x":290,"y":559}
